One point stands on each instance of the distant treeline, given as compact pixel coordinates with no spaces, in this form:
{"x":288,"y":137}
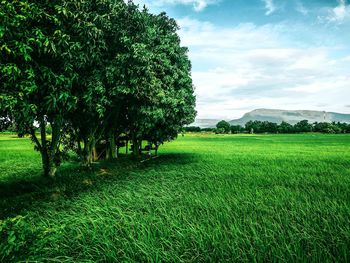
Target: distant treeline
{"x":223,"y":127}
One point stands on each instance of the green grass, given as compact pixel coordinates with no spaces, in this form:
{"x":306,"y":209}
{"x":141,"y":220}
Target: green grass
{"x":207,"y":198}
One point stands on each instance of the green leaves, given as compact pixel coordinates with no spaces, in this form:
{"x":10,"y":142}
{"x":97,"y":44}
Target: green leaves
{"x":93,"y":66}
{"x":15,"y":234}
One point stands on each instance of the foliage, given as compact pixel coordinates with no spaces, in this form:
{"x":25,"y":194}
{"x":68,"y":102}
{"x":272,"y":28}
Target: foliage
{"x":303,"y":126}
{"x":236,"y":129}
{"x":220,"y":131}
{"x":91,"y":71}
{"x":208,"y":129}
{"x":283,"y":127}
{"x":326,"y":127}
{"x":15,"y":235}
{"x":36,"y":78}
{"x":192,"y":129}
{"x":300,"y":127}
{"x":261,"y":127}
{"x":223,"y":127}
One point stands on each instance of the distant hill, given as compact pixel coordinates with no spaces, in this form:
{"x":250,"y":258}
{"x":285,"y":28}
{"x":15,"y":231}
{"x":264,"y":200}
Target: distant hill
{"x":277,"y":116}
{"x":205,"y":123}
{"x":291,"y":116}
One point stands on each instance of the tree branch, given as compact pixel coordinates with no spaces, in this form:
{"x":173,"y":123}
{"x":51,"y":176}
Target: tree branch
{"x":35,"y":139}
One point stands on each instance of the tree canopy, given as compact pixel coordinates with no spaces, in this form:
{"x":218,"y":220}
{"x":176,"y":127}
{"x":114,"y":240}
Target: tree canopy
{"x":271,"y":127}
{"x":94,"y":72}
{"x":223,"y":127}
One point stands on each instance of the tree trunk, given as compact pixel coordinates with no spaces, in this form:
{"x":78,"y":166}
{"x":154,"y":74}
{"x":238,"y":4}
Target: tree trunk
{"x":85,"y":152}
{"x":48,"y":165}
{"x":135,"y":146}
{"x":46,"y":153}
{"x":87,"y":160}
{"x":88,"y":151}
{"x":149,"y":149}
{"x":156,"y":149}
{"x":111,"y":147}
{"x":94,"y":154}
{"x":108,"y":152}
{"x":80,"y":150}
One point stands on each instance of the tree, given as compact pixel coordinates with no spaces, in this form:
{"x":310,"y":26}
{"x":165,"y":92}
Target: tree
{"x":223,"y":126}
{"x":269,"y":127}
{"x":165,"y":100}
{"x":36,"y":79}
{"x":326,"y":127}
{"x":98,"y":83}
{"x":254,"y":126}
{"x":92,"y":71}
{"x":236,"y":129}
{"x":192,"y":129}
{"x":303,"y":126}
{"x":208,"y":129}
{"x":285,"y":127}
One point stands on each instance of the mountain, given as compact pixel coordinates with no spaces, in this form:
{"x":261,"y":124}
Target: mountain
{"x":205,"y":123}
{"x":291,"y":116}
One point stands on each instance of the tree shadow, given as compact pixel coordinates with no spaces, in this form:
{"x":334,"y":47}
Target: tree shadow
{"x":21,"y":195}
{"x":175,"y":159}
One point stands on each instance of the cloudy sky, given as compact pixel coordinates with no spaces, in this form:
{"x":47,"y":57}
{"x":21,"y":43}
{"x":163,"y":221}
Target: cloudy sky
{"x":280,"y":54}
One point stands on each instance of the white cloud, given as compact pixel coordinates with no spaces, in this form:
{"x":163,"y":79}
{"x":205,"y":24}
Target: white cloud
{"x":301,"y":8}
{"x":198,"y":5}
{"x":316,"y":87}
{"x":339,"y":14}
{"x":347,"y":58}
{"x":270,"y":7}
{"x":236,"y":69}
{"x":204,"y":34}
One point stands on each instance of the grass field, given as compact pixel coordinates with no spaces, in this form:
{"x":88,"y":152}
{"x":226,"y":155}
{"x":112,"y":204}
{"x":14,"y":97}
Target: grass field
{"x":207,"y":198}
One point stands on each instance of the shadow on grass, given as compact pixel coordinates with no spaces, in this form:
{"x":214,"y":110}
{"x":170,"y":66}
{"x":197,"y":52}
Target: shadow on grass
{"x":175,"y":159}
{"x":20,"y":195}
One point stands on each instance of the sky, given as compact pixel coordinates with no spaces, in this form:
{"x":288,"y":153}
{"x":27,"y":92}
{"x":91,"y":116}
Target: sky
{"x":275,"y":54}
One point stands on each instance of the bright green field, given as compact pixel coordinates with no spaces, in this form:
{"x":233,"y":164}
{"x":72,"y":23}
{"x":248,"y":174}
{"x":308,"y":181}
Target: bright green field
{"x":207,"y":198}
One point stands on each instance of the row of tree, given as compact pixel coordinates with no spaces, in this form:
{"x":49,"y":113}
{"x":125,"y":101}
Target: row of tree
{"x":95,"y":73}
{"x":300,"y":127}
{"x":270,"y":127}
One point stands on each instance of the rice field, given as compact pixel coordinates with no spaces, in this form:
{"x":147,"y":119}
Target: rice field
{"x":206,"y":198}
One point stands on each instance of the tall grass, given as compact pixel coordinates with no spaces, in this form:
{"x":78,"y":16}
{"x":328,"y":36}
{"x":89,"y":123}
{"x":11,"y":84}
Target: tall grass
{"x":207,"y":198}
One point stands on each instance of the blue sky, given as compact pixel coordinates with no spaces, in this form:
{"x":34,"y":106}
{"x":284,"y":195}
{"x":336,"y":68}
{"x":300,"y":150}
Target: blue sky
{"x":281,"y":54}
